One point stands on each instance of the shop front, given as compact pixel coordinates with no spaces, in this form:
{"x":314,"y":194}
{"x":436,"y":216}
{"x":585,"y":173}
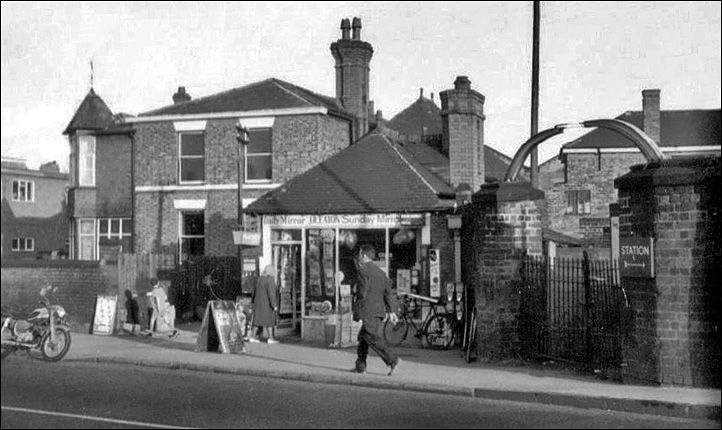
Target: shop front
{"x":315,"y":267}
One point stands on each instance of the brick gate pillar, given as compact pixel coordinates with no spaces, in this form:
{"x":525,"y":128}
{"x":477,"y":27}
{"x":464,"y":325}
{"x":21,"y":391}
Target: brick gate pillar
{"x":501,"y":225}
{"x":671,"y":333}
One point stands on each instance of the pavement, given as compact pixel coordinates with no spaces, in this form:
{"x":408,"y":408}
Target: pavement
{"x":421,"y":370}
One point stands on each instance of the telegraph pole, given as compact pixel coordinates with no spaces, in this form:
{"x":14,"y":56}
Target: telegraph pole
{"x":535,"y":95}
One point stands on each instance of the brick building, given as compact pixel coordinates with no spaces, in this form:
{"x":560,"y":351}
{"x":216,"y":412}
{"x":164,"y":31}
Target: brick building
{"x":581,"y":188}
{"x":100,"y":206}
{"x":34,"y":211}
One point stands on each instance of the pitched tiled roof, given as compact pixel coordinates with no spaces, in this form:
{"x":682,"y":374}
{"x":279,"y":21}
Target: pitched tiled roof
{"x":679,"y":128}
{"x":421,"y":117}
{"x":93,"y":114}
{"x":271,"y":93}
{"x":374,"y":175}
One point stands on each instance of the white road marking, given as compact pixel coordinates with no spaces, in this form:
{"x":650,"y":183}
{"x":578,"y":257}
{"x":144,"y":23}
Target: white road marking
{"x":86,"y":417}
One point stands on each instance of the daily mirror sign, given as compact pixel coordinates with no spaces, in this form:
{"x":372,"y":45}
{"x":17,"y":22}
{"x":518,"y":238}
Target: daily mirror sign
{"x":636,"y":257}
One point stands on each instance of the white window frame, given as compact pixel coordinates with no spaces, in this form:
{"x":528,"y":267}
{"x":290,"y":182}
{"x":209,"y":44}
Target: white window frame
{"x":257,"y":154}
{"x":86,"y":161}
{"x":25,"y":190}
{"x":28,"y":244}
{"x":181,"y":157}
{"x":122,"y":232}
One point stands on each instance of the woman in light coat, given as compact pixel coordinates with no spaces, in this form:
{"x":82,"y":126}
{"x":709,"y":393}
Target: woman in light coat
{"x":265,"y":305}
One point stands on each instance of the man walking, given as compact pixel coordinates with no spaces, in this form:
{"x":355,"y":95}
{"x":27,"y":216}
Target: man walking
{"x":373,"y":302}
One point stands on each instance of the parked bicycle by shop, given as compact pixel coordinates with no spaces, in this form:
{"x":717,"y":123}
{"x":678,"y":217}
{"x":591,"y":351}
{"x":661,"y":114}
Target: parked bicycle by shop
{"x":436,"y":329}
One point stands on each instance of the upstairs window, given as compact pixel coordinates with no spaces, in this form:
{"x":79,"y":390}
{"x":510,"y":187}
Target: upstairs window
{"x":86,"y":161}
{"x":191,"y":158}
{"x":579,"y":202}
{"x":259,"y":156}
{"x":23,"y":191}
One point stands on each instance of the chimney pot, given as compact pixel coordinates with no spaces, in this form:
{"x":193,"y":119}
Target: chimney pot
{"x":421,"y":93}
{"x":181,"y":96}
{"x":356,"y":28}
{"x":462,"y":83}
{"x":345,"y":28}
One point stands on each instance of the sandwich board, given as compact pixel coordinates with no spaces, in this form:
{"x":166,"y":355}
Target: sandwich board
{"x":221,"y":329}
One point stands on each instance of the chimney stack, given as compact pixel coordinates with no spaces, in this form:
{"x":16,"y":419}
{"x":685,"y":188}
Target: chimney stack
{"x":650,"y":109}
{"x":181,"y":96}
{"x":352,"y":57}
{"x":462,"y":121}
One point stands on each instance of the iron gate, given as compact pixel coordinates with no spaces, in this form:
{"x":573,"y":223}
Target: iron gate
{"x":571,"y":311}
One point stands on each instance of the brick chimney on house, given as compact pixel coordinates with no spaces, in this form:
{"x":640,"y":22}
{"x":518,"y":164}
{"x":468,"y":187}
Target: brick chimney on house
{"x":352,"y":56}
{"x":181,"y":96}
{"x":650,"y":109}
{"x":462,"y":125}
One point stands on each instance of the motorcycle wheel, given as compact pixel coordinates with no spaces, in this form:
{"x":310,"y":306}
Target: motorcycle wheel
{"x":54,"y":351}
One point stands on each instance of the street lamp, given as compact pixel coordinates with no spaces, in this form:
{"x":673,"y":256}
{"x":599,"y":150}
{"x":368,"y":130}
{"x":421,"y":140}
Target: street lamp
{"x":243,"y":140}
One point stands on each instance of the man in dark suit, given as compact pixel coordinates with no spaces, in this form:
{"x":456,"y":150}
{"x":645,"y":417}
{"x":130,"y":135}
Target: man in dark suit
{"x":373,"y":303}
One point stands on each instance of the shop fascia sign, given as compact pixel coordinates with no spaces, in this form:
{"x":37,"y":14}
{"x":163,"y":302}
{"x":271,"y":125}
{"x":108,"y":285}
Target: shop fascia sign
{"x":344,"y":221}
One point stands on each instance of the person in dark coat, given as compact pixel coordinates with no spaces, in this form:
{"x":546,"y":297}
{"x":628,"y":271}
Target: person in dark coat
{"x":372,"y":305}
{"x":265,"y":305}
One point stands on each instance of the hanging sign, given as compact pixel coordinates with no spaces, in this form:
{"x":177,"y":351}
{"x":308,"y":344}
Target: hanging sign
{"x":434,"y":273}
{"x":636,"y":257}
{"x":221,"y":329}
{"x":104,"y":319}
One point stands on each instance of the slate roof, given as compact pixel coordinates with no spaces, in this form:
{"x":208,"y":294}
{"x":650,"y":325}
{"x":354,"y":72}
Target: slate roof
{"x":421,"y":117}
{"x":270,"y":93}
{"x":93,"y":114}
{"x":374,"y":175}
{"x":679,"y":128}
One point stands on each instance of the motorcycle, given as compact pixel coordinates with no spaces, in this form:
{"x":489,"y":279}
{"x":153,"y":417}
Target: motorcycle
{"x":46,"y":330}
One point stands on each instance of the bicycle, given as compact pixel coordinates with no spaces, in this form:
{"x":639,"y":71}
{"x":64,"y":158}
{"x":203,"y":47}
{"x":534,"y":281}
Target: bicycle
{"x":437,"y":328}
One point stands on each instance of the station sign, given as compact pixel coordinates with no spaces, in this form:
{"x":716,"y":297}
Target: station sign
{"x":636,"y":257}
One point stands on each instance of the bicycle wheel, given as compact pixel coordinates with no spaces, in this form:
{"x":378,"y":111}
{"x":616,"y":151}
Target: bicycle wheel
{"x":471,"y":347}
{"x":394,"y":334}
{"x":439,"y":331}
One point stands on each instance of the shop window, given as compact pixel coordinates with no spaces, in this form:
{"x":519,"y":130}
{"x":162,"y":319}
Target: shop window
{"x":191,"y":157}
{"x":579,"y":202}
{"x":320,"y":271}
{"x":259,"y":156}
{"x":192,"y":234}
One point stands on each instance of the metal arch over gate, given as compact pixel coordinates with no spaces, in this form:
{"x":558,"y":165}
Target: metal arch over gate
{"x":649,"y":148}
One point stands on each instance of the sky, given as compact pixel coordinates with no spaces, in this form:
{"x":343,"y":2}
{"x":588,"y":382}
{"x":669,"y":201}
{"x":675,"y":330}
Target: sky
{"x":595,"y":58}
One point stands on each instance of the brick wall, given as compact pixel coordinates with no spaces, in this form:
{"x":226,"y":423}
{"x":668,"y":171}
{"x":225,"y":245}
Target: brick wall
{"x":299,"y":142}
{"x":675,"y":335}
{"x":594,"y":172}
{"x":503,"y":223}
{"x":79,"y":284}
{"x":113,"y":176}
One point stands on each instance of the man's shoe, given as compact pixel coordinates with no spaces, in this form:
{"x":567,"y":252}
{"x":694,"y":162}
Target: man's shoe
{"x":394,"y":366}
{"x":253,"y":340}
{"x":358,"y":370}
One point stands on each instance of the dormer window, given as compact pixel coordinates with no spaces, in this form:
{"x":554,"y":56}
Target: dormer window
{"x":23,"y":191}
